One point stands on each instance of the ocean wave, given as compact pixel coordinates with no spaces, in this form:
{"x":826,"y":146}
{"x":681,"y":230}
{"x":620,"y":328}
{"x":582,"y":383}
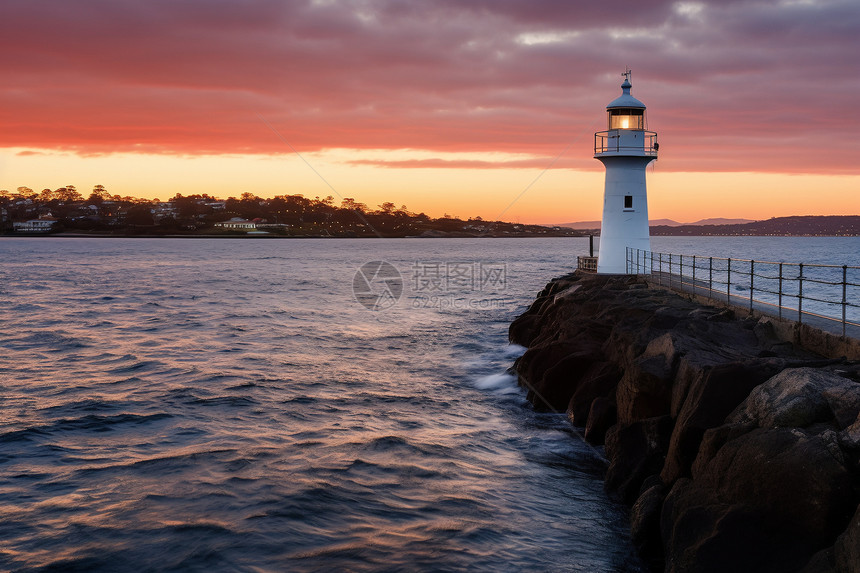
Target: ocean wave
{"x":90,"y":422}
{"x":499,"y":383}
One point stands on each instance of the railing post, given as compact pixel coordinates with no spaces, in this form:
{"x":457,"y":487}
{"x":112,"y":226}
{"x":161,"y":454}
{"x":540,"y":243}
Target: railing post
{"x":681,"y":271}
{"x":694,"y":274}
{"x":780,"y":290}
{"x":844,"y":297}
{"x":710,"y":276}
{"x":661,"y":269}
{"x":800,"y":295}
{"x":729,"y":282}
{"x":752,"y":283}
{"x":670,"y":270}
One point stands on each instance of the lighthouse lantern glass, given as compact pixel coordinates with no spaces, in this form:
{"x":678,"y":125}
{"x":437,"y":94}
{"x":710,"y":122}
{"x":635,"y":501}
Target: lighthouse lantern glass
{"x":626,"y":118}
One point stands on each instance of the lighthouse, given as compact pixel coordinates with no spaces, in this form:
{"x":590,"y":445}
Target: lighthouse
{"x":625,"y":149}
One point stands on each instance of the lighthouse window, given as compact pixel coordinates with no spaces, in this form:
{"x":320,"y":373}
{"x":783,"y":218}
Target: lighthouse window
{"x":626,"y":118}
{"x":628,"y":201}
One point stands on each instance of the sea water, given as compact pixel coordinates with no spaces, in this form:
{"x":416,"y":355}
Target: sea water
{"x":301,"y":405}
{"x":232,"y":405}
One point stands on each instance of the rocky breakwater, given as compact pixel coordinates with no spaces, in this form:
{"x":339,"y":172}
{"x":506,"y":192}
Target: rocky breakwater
{"x":737,"y":450}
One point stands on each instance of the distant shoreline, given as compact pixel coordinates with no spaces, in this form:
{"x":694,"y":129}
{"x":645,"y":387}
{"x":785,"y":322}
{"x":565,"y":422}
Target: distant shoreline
{"x":267,"y":237}
{"x":123,"y":236}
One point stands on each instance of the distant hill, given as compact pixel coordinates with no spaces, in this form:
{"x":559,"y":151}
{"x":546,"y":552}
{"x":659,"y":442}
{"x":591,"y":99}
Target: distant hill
{"x":717,"y":221}
{"x":580,"y":225}
{"x":803,"y":225}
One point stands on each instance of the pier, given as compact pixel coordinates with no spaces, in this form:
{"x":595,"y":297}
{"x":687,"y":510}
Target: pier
{"x":736,"y":447}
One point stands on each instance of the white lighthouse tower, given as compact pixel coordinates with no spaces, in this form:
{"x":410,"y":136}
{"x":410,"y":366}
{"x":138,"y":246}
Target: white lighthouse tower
{"x":625,"y":149}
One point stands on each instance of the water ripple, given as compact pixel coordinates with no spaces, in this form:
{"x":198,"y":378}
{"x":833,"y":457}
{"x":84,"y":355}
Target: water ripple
{"x":227,"y":406}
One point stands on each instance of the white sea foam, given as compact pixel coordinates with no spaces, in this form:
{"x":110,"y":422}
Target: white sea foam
{"x":514,"y":350}
{"x":498,"y":383}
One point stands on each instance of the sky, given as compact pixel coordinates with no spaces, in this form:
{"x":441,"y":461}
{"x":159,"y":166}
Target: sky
{"x":469,"y":108}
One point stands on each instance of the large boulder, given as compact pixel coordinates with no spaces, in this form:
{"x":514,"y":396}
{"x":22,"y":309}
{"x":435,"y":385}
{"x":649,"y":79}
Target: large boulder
{"x":601,"y":417}
{"x":800,"y":397}
{"x":846,"y":550}
{"x":598,"y":382}
{"x":645,"y":390}
{"x":767,"y":501}
{"x":849,"y":438}
{"x":645,"y":525}
{"x":843,"y":397}
{"x":553,"y":386}
{"x":636,"y":451}
{"x":708,"y":402}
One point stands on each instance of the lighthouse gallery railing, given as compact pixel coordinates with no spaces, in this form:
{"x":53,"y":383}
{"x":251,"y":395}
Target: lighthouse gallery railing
{"x":826,"y":295}
{"x":610,"y":142}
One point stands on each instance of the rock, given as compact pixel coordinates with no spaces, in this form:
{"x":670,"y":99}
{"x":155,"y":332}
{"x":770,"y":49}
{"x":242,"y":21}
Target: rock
{"x":822,"y":562}
{"x":645,"y":390}
{"x":688,"y":373}
{"x":713,"y":440}
{"x":523,"y":330}
{"x":706,"y":406}
{"x":534,"y":363}
{"x":601,"y":417}
{"x":636,"y":451}
{"x":846,"y":550}
{"x":767,"y":501}
{"x":645,"y":526}
{"x":694,"y":395}
{"x":555,"y":388}
{"x":566,"y":293}
{"x":796,"y":398}
{"x":849,"y":438}
{"x":599,"y":382}
{"x":843,"y":397}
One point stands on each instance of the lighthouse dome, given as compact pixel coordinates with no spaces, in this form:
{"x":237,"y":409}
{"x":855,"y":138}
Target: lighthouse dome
{"x":625,"y":99}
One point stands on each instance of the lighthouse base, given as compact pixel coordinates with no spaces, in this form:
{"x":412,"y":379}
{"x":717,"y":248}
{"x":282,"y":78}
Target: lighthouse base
{"x":618,"y":265}
{"x":625,"y":213}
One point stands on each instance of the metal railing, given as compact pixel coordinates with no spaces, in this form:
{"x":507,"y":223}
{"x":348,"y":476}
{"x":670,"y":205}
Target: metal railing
{"x":827,"y":296}
{"x":610,"y":141}
{"x":587,"y":264}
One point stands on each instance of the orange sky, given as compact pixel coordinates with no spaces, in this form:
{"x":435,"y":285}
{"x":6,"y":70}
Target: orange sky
{"x":468,"y":108}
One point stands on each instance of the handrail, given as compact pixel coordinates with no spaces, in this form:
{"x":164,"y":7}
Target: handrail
{"x":822,"y":292}
{"x":609,"y":141}
{"x":587,"y":264}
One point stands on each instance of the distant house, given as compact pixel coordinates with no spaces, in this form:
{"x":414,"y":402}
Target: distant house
{"x":43,"y":224}
{"x":238,"y":223}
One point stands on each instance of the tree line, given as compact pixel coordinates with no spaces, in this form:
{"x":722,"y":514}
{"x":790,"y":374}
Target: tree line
{"x":286,"y":214}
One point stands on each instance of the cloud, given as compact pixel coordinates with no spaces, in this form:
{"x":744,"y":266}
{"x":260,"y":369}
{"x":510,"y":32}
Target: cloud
{"x":437,"y":163}
{"x":759,"y":86}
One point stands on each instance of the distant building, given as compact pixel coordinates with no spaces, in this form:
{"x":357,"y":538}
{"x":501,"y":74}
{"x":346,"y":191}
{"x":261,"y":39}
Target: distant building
{"x":238,"y":223}
{"x":43,"y":224}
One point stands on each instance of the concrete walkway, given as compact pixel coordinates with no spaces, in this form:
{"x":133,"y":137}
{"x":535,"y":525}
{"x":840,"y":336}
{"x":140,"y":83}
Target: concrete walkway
{"x":700,"y":288}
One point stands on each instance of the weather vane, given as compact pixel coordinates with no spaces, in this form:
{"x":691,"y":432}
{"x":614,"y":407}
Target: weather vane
{"x":627,"y":73}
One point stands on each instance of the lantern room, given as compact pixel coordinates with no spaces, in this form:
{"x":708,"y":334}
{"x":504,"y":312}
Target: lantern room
{"x":626,"y":118}
{"x":626,"y":127}
{"x":625,"y":111}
